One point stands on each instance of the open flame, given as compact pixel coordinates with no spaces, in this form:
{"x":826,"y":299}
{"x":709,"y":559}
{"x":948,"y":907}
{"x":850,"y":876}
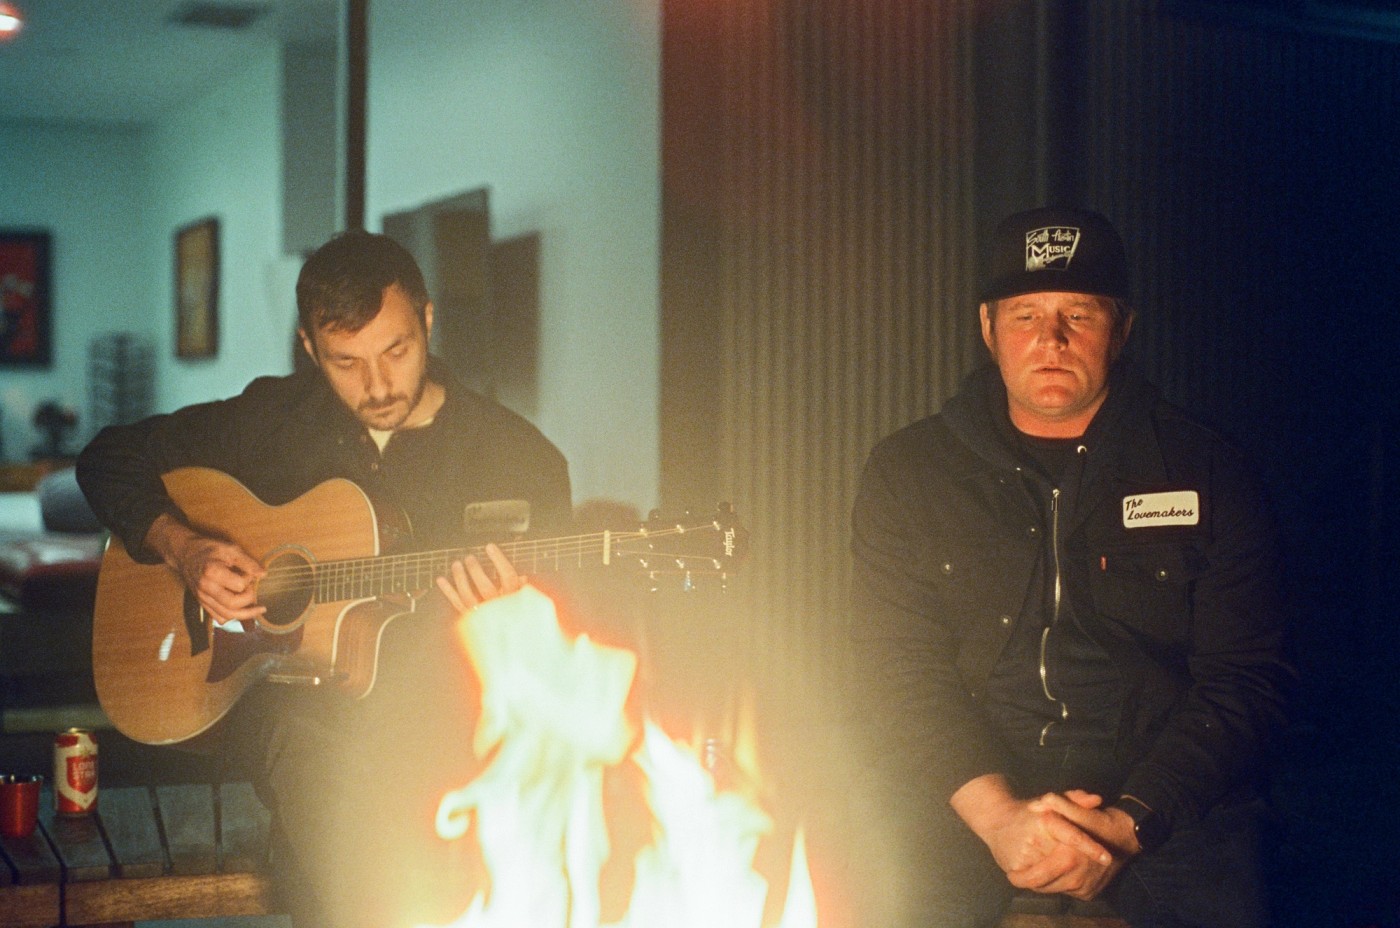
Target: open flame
{"x":553,"y":721}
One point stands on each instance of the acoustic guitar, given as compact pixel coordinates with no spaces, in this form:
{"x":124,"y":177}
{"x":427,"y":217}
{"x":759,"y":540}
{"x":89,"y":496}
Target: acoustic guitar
{"x":166,"y":673}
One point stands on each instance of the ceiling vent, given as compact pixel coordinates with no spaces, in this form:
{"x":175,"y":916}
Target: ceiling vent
{"x":206,"y":15}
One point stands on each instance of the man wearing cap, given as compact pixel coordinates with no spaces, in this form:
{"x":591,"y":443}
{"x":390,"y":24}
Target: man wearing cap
{"x":1067,"y":624}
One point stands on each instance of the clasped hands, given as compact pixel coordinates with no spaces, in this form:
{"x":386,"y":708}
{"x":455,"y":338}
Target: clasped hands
{"x":1056,"y":843}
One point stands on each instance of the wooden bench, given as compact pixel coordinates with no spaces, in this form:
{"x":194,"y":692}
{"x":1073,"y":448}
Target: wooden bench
{"x":186,"y":851}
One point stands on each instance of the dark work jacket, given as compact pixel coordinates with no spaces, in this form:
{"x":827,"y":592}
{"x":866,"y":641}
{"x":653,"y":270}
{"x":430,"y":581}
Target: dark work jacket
{"x":950,"y":530}
{"x":354,"y":785}
{"x":284,"y":435}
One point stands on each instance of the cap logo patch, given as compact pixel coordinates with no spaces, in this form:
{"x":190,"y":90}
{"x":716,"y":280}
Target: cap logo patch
{"x":1051,"y":247}
{"x":1177,"y":507}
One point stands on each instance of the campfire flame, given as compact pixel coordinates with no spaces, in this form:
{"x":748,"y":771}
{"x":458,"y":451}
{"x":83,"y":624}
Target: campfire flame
{"x":553,"y":721}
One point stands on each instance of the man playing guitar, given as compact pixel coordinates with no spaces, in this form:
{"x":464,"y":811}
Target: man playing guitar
{"x":352,"y":784}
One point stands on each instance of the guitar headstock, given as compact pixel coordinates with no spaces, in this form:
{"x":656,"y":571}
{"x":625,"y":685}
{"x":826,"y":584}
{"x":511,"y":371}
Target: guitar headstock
{"x":689,"y":546}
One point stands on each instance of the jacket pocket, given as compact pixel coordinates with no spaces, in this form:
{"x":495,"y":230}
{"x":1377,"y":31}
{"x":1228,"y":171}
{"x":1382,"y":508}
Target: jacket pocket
{"x":1147,"y":588}
{"x":977,"y":588}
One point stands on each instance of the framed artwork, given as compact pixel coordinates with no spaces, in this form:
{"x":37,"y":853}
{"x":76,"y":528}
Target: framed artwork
{"x":26,"y":322}
{"x":197,"y":290}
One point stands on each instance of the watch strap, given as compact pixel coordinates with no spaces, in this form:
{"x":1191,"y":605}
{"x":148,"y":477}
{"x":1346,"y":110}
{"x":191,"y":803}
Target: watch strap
{"x":1148,"y":826}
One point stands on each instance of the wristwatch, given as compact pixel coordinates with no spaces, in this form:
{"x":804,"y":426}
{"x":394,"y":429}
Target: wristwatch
{"x":1149,"y":827}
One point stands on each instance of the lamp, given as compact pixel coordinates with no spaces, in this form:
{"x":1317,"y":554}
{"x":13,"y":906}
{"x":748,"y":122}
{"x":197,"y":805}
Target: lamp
{"x":11,"y":21}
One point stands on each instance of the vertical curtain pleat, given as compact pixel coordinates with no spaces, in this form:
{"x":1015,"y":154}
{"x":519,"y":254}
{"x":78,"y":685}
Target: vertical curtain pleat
{"x":845,"y":284}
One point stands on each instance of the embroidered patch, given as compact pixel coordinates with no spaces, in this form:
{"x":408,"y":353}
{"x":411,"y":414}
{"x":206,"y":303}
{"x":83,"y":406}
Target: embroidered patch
{"x":1051,"y":247}
{"x":1177,"y":507}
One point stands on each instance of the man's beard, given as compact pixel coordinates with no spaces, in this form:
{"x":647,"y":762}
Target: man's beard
{"x":367,"y":410}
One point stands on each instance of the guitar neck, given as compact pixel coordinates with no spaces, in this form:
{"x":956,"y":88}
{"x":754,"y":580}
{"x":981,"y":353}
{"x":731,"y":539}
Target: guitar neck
{"x":372,"y":577}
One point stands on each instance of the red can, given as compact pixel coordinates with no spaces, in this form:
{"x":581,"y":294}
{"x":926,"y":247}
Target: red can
{"x":74,"y":772}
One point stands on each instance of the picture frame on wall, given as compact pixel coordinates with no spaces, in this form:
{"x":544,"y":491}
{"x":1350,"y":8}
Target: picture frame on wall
{"x":197,"y":289}
{"x":26,"y":323}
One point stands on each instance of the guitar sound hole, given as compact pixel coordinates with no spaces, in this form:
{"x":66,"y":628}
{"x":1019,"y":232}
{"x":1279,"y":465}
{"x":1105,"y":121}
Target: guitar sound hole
{"x":286,"y":591}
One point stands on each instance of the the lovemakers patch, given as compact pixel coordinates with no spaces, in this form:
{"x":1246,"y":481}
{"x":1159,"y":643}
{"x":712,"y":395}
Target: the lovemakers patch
{"x":1175,"y":507}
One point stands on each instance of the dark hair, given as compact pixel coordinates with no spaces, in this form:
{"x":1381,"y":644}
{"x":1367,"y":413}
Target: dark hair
{"x":342,"y":284}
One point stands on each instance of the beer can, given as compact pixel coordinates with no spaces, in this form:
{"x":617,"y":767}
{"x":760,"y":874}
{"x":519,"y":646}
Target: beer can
{"x":75,"y":772}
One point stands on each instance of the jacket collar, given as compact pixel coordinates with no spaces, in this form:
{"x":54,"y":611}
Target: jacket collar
{"x":1120,"y":440}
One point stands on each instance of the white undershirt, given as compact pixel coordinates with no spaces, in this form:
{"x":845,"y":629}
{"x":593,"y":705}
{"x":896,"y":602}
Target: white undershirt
{"x":382,"y":438}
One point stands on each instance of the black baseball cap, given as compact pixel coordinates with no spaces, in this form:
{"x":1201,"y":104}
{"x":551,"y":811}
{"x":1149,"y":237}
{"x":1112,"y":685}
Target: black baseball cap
{"x":1070,"y":250}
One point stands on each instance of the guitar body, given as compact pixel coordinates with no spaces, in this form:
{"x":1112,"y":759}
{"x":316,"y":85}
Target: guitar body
{"x":165,"y":673}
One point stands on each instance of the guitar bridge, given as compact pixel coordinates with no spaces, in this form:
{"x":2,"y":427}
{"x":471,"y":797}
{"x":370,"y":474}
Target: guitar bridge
{"x":300,"y":673}
{"x":299,"y":679}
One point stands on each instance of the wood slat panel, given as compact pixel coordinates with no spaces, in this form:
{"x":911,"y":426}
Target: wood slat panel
{"x":128,"y":819}
{"x":187,"y":820}
{"x":244,"y":825}
{"x":78,"y":840}
{"x":211,"y":896}
{"x":30,"y":906}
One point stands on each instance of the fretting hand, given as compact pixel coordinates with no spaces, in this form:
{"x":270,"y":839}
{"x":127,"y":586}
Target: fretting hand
{"x":468,"y":585}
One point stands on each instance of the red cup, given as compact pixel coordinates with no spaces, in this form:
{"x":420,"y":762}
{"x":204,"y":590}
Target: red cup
{"x":19,"y":804}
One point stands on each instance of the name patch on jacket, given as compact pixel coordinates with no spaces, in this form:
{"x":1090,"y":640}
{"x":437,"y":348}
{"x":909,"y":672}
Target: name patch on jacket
{"x":1176,"y":507}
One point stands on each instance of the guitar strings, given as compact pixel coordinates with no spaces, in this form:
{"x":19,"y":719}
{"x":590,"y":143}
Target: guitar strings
{"x":350,"y":578}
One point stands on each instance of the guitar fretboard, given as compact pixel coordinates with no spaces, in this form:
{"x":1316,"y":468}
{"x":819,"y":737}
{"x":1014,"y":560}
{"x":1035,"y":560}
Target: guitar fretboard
{"x":370,"y":577}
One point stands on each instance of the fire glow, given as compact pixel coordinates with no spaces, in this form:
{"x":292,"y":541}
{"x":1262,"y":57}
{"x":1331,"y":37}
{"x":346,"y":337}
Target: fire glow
{"x":553,"y":721}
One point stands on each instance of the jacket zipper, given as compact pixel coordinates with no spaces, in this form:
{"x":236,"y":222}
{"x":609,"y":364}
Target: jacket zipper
{"x":1054,"y":613}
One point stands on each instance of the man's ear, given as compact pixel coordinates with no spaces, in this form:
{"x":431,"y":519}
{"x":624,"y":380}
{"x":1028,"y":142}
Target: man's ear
{"x":988,"y":338}
{"x":428,"y":318}
{"x":1120,"y":337}
{"x":308,"y":346}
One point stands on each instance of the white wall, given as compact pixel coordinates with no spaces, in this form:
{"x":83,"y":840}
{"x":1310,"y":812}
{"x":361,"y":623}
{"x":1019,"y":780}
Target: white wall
{"x":112,"y":200}
{"x":85,"y":187}
{"x":221,"y":156}
{"x":554,"y":105}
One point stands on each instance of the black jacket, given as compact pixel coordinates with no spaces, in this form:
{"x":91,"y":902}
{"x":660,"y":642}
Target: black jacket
{"x":951,"y":528}
{"x":284,"y":435}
